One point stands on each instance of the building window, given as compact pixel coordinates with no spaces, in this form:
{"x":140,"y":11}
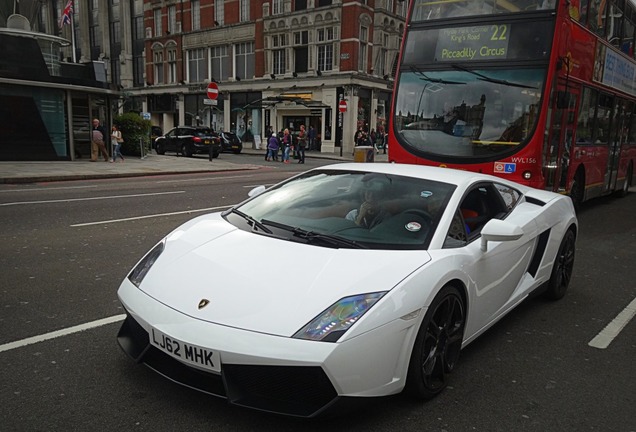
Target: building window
{"x":172,"y":66}
{"x":279,"y":43}
{"x":197,"y":70}
{"x":301,"y":51}
{"x":220,"y":63}
{"x":138,"y":70}
{"x":196,"y":14}
{"x":172,"y":19}
{"x":325,"y":57}
{"x":362,"y":58}
{"x":382,"y":60}
{"x":219,"y":12}
{"x":389,"y":5}
{"x":300,"y":5}
{"x":325,"y":50}
{"x":158,"y":28}
{"x":277,"y":7}
{"x":244,"y":10}
{"x":321,"y":3}
{"x":401,"y":8}
{"x":244,"y":60}
{"x":138,"y":31}
{"x":158,"y":67}
{"x":115,"y":32}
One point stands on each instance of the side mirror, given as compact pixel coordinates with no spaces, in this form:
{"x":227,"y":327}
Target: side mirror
{"x":499,"y":230}
{"x":256,"y":191}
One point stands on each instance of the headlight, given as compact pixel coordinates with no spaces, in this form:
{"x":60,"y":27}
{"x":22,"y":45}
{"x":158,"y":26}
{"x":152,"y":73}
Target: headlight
{"x":139,"y":272}
{"x":336,"y":320}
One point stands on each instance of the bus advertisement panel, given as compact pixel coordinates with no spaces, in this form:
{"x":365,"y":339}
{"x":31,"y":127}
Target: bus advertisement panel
{"x":523,"y":89}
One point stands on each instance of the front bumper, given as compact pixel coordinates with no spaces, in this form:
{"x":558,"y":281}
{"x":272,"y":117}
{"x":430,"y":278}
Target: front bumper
{"x":266,"y":372}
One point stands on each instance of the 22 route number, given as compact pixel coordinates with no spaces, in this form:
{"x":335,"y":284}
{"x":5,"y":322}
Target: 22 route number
{"x":499,"y":32}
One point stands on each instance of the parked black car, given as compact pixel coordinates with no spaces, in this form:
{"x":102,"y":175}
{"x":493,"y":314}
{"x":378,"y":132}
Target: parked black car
{"x":188,"y":140}
{"x":230,"y":142}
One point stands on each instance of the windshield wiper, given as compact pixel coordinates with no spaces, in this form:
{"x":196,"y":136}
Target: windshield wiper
{"x":251,"y":221}
{"x":425,"y":77}
{"x":314,"y":236}
{"x":492,"y":80}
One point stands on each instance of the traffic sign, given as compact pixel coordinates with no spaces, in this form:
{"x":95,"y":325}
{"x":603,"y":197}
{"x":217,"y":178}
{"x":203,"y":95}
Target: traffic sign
{"x":145,"y":115}
{"x":213,"y":91}
{"x":342,"y":106}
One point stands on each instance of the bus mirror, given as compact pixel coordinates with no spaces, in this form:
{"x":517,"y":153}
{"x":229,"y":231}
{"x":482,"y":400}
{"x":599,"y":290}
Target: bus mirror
{"x":563,"y":99}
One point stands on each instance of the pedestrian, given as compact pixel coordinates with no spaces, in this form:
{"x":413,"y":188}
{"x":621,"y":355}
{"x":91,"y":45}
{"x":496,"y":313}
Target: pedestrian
{"x":286,"y":145}
{"x":302,"y":143}
{"x":272,"y":147}
{"x":311,"y":134}
{"x":98,"y":143}
{"x":116,"y":140}
{"x":356,"y":139}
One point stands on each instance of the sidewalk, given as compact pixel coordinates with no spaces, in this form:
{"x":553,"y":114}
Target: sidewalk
{"x":153,"y":164}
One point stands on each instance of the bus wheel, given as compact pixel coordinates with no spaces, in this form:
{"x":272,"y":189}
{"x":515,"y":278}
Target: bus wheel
{"x":628,"y":181}
{"x":578,"y":188}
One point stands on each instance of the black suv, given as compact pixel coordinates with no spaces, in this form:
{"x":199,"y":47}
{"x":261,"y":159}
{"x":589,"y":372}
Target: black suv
{"x":188,"y":140}
{"x":230,"y":142}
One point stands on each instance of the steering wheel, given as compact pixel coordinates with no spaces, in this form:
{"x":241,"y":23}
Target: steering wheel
{"x":421,"y":213}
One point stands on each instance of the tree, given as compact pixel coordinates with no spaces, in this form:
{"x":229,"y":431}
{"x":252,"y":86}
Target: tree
{"x":135,"y":131}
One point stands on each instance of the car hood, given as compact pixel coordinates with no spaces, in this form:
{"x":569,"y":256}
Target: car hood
{"x":265,"y":284}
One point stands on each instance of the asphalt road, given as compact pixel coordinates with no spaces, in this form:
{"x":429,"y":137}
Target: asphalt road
{"x":65,"y":247}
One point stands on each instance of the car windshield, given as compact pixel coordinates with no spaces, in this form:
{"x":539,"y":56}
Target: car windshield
{"x":348,"y":209}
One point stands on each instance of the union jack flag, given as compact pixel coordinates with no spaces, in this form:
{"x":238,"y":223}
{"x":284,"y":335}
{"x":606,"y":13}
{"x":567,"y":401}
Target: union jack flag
{"x":67,"y":14}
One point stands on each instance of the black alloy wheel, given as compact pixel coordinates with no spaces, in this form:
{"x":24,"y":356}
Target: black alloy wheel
{"x":562,"y":267}
{"x":437,"y":346}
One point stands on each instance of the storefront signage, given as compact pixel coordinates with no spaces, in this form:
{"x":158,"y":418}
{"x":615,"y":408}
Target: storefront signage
{"x":344,"y":56}
{"x":473,"y":43}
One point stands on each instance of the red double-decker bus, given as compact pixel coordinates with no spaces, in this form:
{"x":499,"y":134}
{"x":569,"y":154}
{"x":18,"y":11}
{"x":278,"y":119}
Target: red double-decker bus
{"x":540,"y":92}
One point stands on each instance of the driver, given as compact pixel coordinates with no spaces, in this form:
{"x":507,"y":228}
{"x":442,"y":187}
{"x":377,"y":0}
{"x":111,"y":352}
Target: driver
{"x":371,"y":211}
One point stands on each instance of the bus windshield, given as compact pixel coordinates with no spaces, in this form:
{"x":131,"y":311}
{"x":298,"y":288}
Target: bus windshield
{"x":476,"y":113}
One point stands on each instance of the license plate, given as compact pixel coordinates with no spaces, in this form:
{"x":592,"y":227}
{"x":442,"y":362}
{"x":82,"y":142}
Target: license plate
{"x":187,"y":353}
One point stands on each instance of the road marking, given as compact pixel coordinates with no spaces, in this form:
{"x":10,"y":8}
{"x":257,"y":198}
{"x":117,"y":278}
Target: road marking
{"x":150,"y":216}
{"x":60,"y":333}
{"x":47,"y":189}
{"x":204,"y":179}
{"x":607,"y":335}
{"x":89,"y":199}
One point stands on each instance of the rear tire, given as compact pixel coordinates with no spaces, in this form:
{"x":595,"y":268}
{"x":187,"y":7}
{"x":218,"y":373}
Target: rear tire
{"x":562,"y":268}
{"x":437,"y":346}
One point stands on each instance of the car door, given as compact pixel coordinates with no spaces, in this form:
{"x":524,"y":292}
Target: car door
{"x":170,"y":140}
{"x":495,"y":274}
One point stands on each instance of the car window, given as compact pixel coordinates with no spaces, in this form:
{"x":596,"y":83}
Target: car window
{"x":481,"y":204}
{"x":509,"y":195}
{"x":457,"y":234}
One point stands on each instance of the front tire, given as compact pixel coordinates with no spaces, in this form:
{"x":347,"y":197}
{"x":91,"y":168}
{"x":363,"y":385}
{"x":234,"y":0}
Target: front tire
{"x":437,"y":346}
{"x":562,"y":268}
{"x":159,"y":149}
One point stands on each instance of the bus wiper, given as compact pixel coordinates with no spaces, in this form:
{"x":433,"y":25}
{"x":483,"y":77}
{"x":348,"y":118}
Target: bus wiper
{"x":251,"y":221}
{"x":311,"y":236}
{"x":492,"y":80}
{"x":425,"y":77}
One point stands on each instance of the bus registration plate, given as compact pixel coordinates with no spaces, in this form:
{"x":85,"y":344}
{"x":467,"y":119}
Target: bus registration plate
{"x":200,"y":357}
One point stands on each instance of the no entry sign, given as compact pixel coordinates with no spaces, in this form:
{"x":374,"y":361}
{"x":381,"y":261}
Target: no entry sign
{"x":342,"y":106}
{"x":213,"y":91}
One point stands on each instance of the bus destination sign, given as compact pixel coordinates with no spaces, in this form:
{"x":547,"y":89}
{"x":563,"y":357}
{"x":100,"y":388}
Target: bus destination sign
{"x":473,"y":43}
